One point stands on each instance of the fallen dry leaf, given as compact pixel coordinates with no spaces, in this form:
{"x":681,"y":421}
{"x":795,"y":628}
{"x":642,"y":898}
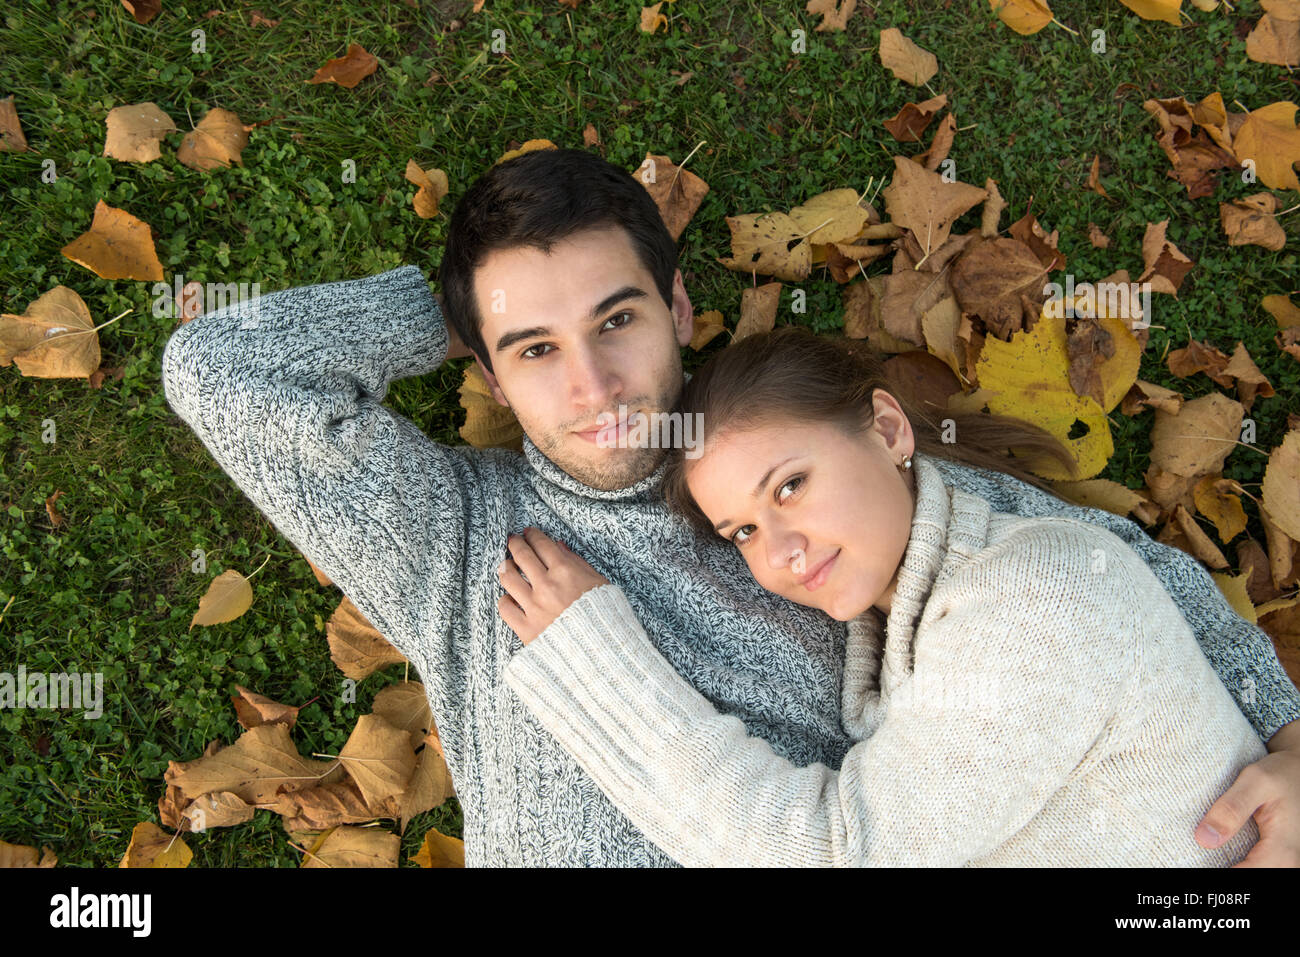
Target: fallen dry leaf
{"x":1275,"y":38}
{"x":53,"y":338}
{"x":905,"y":59}
{"x":1217,"y":500}
{"x":676,"y":191}
{"x":253,"y":709}
{"x":990,"y":279}
{"x":1283,"y":310}
{"x":217,"y":142}
{"x":1270,"y":138}
{"x":1233,"y":588}
{"x":1109,"y":496}
{"x":1097,"y":238}
{"x":143,"y":10}
{"x":768,"y":244}
{"x":117,"y":246}
{"x":346,"y":846}
{"x":1165,"y":264}
{"x":1281,"y":490}
{"x":134,"y":132}
{"x":433,"y":187}
{"x":1166,"y":10}
{"x":912,"y":120}
{"x":1197,"y":440}
{"x":924,"y":202}
{"x":1024,"y":16}
{"x":1144,"y":394}
{"x":1250,"y":381}
{"x":527,"y":147}
{"x":1094,"y":177}
{"x":348,"y":70}
{"x":228,"y":596}
{"x":20,"y":855}
{"x":707,"y":326}
{"x":1251,"y":221}
{"x":758,"y":307}
{"x":356,"y":646}
{"x":652,"y":19}
{"x":439,"y":850}
{"x":153,"y":847}
{"x":256,"y":767}
{"x":488,"y":424}
{"x":11,"y":130}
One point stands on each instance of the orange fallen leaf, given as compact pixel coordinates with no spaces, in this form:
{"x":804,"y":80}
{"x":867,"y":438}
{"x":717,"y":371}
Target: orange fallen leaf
{"x":1217,"y":500}
{"x":1281,"y":489}
{"x":652,"y":19}
{"x":676,"y":191}
{"x":11,"y":130}
{"x":228,"y":596}
{"x":439,"y":850}
{"x":1024,"y":16}
{"x":117,"y":246}
{"x":433,"y":187}
{"x":53,"y":338}
{"x":708,"y":325}
{"x":20,"y":855}
{"x":1166,"y":266}
{"x":153,"y":847}
{"x":356,"y":646}
{"x":143,"y":10}
{"x":134,"y":132}
{"x":348,"y":70}
{"x":55,"y":518}
{"x":488,"y":424}
{"x":217,"y":142}
{"x":1270,"y":138}
{"x":527,"y":147}
{"x":253,"y":709}
{"x":1166,"y":10}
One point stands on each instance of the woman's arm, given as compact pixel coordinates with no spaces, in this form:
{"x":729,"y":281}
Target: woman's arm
{"x":1016,"y":696}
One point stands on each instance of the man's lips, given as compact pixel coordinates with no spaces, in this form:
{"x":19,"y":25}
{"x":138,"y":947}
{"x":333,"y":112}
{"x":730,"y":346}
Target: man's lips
{"x":816,"y":577}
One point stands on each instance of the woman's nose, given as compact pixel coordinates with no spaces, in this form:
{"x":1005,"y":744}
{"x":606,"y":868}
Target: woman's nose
{"x":786,"y":550}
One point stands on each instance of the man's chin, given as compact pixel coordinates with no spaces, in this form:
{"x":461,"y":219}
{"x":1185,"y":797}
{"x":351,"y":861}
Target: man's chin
{"x":607,"y":468}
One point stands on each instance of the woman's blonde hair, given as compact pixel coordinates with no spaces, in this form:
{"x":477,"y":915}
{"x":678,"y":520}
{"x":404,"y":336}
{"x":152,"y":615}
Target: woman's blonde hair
{"x":795,"y":374}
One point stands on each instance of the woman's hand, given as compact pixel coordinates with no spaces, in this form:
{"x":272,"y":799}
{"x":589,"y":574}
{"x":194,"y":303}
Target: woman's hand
{"x":1268,"y":791}
{"x":556,"y":579}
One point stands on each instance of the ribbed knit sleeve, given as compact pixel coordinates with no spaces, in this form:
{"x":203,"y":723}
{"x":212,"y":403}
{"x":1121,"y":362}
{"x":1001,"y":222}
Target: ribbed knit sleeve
{"x":286,"y":392}
{"x":1020,"y":664}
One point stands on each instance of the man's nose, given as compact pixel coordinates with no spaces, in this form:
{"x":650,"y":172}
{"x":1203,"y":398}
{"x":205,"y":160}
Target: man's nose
{"x":593,"y":380}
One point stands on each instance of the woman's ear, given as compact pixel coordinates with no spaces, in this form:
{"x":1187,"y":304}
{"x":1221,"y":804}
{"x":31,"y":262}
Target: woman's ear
{"x":893,"y":426}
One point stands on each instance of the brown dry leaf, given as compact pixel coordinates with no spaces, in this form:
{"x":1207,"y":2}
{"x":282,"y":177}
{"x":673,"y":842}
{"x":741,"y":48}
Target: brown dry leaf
{"x":768,"y":244}
{"x":1281,"y":491}
{"x":1198,"y":357}
{"x":1217,"y":500}
{"x":940,"y":325}
{"x":905,"y":59}
{"x":433,"y":187}
{"x":989,"y":280}
{"x":652,"y":19}
{"x":262,"y":762}
{"x":117,"y":246}
{"x":259,"y":20}
{"x":1198,"y":439}
{"x":906,"y":297}
{"x":134,"y":132}
{"x":55,"y":518}
{"x":430,"y":786}
{"x":143,"y":10}
{"x":353,"y":847}
{"x":324,"y":806}
{"x":320,"y":575}
{"x":253,"y":709}
{"x":1024,"y":16}
{"x":1283,"y":626}
{"x":676,"y":191}
{"x":1253,"y":561}
{"x":1043,"y":244}
{"x":53,"y":338}
{"x":1194,"y":157}
{"x":100,"y":375}
{"x":1094,"y":177}
{"x":488,"y":423}
{"x":1269,"y":136}
{"x":216,"y":143}
{"x":1166,"y":10}
{"x":911,"y":121}
{"x":1109,"y":496}
{"x":439,"y":850}
{"x":215,"y":809}
{"x":924,"y":202}
{"x":831,"y":217}
{"x":11,"y":129}
{"x":153,"y":847}
{"x":923,"y":380}
{"x":348,"y":70}
{"x":1166,"y":266}
{"x":758,"y":307}
{"x":379,"y":758}
{"x":1028,"y":379}
{"x":21,"y":855}
{"x":1288,"y":340}
{"x":589,"y":135}
{"x":405,"y":705}
{"x":527,"y":147}
{"x":941,"y":145}
{"x":228,"y":596}
{"x":993,"y":207}
{"x":1282,"y":567}
{"x":1169,"y":490}
{"x":1250,"y":381}
{"x":1145,"y":394}
{"x":1283,"y":310}
{"x":707,"y":326}
{"x":846,"y":261}
{"x":1182,"y":532}
{"x":862,"y":316}
{"x":1104,"y":359}
{"x":356,"y":646}
{"x":1097,"y":238}
{"x":1275,"y":39}
{"x":1233,"y":588}
{"x":1251,"y":221}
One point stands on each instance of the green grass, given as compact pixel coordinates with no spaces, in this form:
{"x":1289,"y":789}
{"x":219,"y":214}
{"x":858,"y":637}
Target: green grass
{"x":112,"y":590}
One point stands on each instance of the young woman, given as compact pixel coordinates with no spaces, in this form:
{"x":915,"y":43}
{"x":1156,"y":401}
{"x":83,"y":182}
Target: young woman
{"x":1022,"y":691}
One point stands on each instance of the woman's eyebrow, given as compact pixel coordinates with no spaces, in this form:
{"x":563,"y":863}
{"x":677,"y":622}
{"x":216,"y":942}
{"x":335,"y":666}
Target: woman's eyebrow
{"x":758,"y":489}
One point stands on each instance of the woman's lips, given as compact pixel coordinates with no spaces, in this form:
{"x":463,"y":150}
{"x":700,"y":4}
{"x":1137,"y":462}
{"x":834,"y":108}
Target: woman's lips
{"x":819,"y":577}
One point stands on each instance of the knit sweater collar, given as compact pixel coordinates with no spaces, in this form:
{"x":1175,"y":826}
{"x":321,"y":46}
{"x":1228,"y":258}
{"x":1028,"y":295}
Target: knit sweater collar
{"x":948,"y":525}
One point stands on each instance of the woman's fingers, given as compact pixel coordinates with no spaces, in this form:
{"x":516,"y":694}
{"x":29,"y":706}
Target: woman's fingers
{"x":525,"y":557}
{"x":544,"y":546}
{"x":515,"y":584}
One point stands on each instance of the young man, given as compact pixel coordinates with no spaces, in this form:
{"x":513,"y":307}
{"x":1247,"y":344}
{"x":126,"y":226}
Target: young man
{"x":560,"y":278}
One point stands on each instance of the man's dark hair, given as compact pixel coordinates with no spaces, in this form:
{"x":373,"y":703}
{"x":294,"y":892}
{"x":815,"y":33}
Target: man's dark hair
{"x":535,"y":200}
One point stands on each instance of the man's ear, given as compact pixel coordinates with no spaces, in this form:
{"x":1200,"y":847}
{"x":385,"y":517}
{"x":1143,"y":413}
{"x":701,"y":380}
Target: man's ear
{"x":683,"y":311}
{"x":491,"y":382}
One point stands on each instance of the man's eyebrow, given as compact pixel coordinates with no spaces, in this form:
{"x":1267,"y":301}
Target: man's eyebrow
{"x":762,"y":484}
{"x":508,"y":339}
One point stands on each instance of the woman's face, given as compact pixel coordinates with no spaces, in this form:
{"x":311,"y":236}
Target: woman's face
{"x":821,"y":517}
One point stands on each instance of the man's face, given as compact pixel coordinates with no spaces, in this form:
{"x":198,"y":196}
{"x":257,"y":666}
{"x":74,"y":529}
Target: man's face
{"x":578,"y":333}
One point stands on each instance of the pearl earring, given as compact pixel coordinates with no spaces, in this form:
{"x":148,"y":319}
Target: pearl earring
{"x":907,"y":463}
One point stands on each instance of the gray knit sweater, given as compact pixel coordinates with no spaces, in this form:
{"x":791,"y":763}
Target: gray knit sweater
{"x":286,"y":394}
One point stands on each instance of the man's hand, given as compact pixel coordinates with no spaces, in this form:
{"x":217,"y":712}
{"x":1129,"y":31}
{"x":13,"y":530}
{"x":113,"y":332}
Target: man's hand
{"x":556,"y":579}
{"x":455,"y":348}
{"x":1269,"y":791}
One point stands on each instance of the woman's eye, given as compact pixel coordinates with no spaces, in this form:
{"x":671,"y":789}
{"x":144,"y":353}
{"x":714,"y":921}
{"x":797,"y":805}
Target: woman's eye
{"x":737,"y":532}
{"x":796,"y":482}
{"x":621,"y":325}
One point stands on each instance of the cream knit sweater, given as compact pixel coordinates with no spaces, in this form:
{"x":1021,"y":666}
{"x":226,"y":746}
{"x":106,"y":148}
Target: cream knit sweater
{"x":1037,"y":700}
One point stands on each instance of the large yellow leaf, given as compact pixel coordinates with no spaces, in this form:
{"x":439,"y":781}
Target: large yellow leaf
{"x":53,"y":338}
{"x":1166,"y":10}
{"x":353,"y":847}
{"x":151,"y":846}
{"x":379,"y":758}
{"x":117,"y":246}
{"x":228,"y":597}
{"x":1028,"y":379}
{"x":1023,"y":16}
{"x":1270,"y":138}
{"x":439,"y":850}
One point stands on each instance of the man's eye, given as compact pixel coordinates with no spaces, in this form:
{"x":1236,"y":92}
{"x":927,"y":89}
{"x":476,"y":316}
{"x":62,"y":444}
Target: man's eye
{"x":525,"y":354}
{"x":621,"y":325}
